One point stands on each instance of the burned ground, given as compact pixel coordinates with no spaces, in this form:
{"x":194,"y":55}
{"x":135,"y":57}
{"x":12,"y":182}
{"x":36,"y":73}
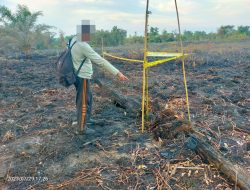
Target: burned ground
{"x":37,"y":138}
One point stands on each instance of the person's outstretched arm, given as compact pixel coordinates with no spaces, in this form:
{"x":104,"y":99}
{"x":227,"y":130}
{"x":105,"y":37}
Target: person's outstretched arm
{"x":121,"y":77}
{"x":101,"y":62}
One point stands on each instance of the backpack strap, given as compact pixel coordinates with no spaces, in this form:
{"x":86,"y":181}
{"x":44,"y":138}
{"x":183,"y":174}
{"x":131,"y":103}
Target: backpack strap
{"x":77,"y":72}
{"x":70,"y":47}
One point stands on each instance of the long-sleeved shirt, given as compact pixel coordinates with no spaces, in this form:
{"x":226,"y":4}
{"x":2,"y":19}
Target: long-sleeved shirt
{"x":82,"y":50}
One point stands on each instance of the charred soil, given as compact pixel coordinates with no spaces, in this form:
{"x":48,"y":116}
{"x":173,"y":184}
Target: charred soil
{"x":38,"y":149}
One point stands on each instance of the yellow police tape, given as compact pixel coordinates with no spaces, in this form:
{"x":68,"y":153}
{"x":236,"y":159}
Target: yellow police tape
{"x":146,"y":64}
{"x":122,"y":58}
{"x":153,"y":63}
{"x":162,"y":54}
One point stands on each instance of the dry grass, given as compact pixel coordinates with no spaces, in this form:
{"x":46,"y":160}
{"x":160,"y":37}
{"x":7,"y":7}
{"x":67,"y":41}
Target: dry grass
{"x":8,"y":136}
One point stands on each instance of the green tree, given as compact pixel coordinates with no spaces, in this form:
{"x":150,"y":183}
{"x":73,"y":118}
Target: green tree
{"x":21,"y":26}
{"x":154,"y":34}
{"x":188,"y":35}
{"x":199,"y":35}
{"x":118,"y":36}
{"x":212,"y":36}
{"x":62,"y":39}
{"x":167,"y":37}
{"x":114,"y":37}
{"x":225,"y":31}
{"x":135,"y":39}
{"x":244,"y":30}
{"x":99,"y":35}
{"x":41,"y":37}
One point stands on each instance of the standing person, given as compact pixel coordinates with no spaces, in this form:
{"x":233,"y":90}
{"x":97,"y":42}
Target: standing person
{"x":82,"y":52}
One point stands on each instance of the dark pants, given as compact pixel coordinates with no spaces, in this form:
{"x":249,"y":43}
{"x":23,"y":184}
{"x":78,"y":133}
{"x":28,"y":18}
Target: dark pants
{"x":83,"y":101}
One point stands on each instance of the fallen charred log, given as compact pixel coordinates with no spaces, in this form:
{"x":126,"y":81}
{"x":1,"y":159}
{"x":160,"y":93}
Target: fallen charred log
{"x":131,"y":105}
{"x":210,"y":154}
{"x":167,"y":126}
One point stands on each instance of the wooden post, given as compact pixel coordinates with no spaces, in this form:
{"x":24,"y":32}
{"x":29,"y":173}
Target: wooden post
{"x":144,"y":77}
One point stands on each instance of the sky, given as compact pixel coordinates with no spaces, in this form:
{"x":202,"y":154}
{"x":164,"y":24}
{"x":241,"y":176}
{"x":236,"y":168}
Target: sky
{"x":202,"y":15}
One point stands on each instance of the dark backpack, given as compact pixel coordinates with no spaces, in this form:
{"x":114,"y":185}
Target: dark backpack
{"x":65,"y":68}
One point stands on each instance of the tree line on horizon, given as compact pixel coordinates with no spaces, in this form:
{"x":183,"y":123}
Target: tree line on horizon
{"x":227,"y":32}
{"x":19,"y":31}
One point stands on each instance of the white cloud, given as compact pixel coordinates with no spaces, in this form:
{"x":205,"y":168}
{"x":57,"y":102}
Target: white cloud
{"x":129,"y":14}
{"x":107,"y":18}
{"x":206,"y":14}
{"x":35,"y":5}
{"x":90,"y":1}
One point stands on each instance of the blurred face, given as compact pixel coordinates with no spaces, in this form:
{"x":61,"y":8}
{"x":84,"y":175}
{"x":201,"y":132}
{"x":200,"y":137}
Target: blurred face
{"x":85,"y":31}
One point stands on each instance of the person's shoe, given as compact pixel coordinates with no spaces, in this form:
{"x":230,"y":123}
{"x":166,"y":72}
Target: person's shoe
{"x":99,"y":122}
{"x":79,"y":132}
{"x":91,"y":121}
{"x":86,"y":130}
